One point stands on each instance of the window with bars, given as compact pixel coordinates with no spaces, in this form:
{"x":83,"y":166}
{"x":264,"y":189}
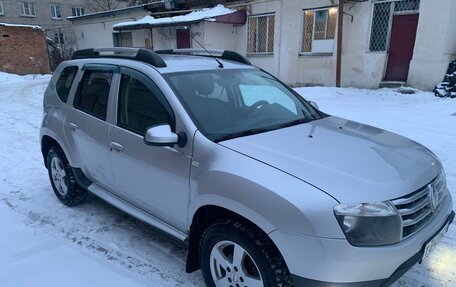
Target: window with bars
{"x":319,"y":30}
{"x":381,"y":21}
{"x":27,"y":9}
{"x":77,"y":11}
{"x":261,"y":35}
{"x":55,"y":12}
{"x":2,"y":12}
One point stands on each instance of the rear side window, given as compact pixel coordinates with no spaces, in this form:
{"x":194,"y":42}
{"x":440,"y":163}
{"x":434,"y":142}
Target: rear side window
{"x":139,"y":107}
{"x":94,"y":93}
{"x":65,"y":81}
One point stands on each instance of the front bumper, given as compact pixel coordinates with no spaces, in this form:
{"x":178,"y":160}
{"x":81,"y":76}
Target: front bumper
{"x":301,"y":281}
{"x":316,"y":261}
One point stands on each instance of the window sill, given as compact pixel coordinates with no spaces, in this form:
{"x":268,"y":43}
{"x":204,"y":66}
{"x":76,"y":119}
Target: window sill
{"x":28,"y":16}
{"x":260,"y":55}
{"x":377,"y":52}
{"x":53,"y":18}
{"x":306,"y":55}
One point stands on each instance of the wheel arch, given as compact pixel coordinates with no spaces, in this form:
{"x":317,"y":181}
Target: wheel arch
{"x":49,"y":140}
{"x":205,"y":216}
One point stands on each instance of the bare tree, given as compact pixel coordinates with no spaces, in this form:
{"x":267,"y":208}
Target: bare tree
{"x":102,"y":5}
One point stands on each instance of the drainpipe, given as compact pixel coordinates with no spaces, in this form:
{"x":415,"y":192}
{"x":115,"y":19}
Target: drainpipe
{"x":340,"y":26}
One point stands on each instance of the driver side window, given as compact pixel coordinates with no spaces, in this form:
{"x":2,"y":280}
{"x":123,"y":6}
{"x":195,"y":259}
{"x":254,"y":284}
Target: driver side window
{"x":139,"y":107}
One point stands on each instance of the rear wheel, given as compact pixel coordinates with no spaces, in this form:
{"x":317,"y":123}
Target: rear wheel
{"x":62,"y":178}
{"x":235,"y":254}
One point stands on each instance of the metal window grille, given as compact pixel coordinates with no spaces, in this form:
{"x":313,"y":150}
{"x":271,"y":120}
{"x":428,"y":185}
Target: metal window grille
{"x":407,"y":5}
{"x":27,"y":9}
{"x":318,"y":25}
{"x":381,"y":22}
{"x":261,"y":35}
{"x":307,"y":31}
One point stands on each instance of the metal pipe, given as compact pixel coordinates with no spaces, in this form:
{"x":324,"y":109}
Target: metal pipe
{"x":340,"y":26}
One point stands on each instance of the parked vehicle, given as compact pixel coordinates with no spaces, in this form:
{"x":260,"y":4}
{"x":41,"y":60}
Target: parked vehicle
{"x":266,"y":189}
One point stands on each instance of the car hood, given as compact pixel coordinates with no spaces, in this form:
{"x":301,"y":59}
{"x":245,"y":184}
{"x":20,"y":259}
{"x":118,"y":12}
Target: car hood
{"x":352,"y":162}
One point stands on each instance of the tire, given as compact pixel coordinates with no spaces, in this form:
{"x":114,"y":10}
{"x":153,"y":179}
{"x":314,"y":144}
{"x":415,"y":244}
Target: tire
{"x":62,"y":178}
{"x":261,"y":263}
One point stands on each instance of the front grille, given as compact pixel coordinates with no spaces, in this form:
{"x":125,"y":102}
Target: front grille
{"x":417,"y":209}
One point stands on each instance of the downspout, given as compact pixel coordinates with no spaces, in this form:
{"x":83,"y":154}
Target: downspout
{"x":340,"y":27}
{"x":280,"y":39}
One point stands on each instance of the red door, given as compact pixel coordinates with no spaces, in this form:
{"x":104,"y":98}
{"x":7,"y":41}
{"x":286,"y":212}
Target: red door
{"x":182,"y":38}
{"x":403,"y":34}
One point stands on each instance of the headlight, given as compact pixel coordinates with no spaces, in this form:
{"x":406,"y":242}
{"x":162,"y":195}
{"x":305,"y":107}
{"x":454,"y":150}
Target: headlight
{"x":370,"y":224}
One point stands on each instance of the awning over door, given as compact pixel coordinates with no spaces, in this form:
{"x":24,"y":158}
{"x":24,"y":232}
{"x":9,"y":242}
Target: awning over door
{"x":218,"y":14}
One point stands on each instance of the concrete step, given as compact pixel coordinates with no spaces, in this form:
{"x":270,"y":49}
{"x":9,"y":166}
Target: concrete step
{"x":391,"y":84}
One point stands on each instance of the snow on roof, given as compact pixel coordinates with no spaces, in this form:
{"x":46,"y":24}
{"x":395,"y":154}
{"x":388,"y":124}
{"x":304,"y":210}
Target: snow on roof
{"x":205,"y":14}
{"x":20,"y":25}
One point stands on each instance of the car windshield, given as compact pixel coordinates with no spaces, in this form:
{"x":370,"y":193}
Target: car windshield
{"x":232,"y":103}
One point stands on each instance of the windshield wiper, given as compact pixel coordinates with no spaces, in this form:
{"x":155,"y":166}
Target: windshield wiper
{"x":223,"y":137}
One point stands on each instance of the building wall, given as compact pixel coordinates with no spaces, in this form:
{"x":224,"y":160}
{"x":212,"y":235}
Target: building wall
{"x":270,"y":63}
{"x":12,"y":14}
{"x":360,"y":68}
{"x":30,"y":58}
{"x":98,"y":33}
{"x":435,"y":44}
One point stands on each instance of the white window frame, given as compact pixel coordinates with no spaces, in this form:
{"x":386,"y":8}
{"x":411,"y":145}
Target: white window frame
{"x":256,"y":53}
{"x":77,"y":11}
{"x":54,"y":9}
{"x":301,"y":53}
{"x":2,"y":12}
{"x":27,"y":9}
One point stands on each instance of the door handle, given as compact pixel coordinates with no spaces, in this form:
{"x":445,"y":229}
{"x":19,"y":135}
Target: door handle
{"x":115,"y":146}
{"x":72,"y":126}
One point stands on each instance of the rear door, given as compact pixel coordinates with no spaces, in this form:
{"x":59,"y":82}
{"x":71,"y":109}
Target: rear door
{"x":153,"y":178}
{"x":86,"y":126}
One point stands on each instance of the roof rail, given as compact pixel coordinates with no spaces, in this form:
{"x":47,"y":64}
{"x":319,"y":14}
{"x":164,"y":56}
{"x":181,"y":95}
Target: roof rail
{"x":223,"y":54}
{"x":143,"y":55}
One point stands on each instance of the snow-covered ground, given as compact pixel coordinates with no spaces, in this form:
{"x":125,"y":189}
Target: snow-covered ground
{"x":43,"y":243}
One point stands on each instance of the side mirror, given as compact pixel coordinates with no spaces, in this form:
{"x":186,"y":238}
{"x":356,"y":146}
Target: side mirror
{"x":160,"y":136}
{"x":314,"y":104}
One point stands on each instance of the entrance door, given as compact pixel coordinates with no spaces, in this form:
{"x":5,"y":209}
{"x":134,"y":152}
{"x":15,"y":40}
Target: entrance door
{"x":182,"y":38}
{"x":403,"y":34}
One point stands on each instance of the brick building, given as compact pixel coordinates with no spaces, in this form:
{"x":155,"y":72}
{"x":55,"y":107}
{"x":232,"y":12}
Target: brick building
{"x":31,"y":58}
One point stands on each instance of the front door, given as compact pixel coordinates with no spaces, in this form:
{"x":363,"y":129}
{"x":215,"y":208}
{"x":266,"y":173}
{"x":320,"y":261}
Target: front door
{"x":182,"y":38}
{"x":154,"y":178}
{"x":403,"y":34}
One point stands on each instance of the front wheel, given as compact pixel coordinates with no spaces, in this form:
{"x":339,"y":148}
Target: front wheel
{"x":234,"y":254}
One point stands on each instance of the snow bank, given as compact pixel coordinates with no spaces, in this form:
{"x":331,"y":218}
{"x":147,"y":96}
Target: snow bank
{"x":7,"y":77}
{"x":447,"y":88}
{"x":200,"y":15}
{"x":21,"y":25}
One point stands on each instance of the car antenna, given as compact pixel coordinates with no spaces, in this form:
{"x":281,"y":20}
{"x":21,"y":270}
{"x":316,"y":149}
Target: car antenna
{"x":207,"y":51}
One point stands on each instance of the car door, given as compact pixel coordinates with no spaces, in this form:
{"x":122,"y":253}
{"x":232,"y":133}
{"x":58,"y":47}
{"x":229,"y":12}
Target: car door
{"x":86,"y":126}
{"x":153,"y":178}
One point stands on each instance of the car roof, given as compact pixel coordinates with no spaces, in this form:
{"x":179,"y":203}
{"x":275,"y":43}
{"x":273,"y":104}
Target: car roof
{"x":188,"y":63}
{"x":165,"y":61}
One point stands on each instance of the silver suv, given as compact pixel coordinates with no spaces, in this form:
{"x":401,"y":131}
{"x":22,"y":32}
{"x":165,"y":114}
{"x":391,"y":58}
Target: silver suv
{"x":264,"y":188}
